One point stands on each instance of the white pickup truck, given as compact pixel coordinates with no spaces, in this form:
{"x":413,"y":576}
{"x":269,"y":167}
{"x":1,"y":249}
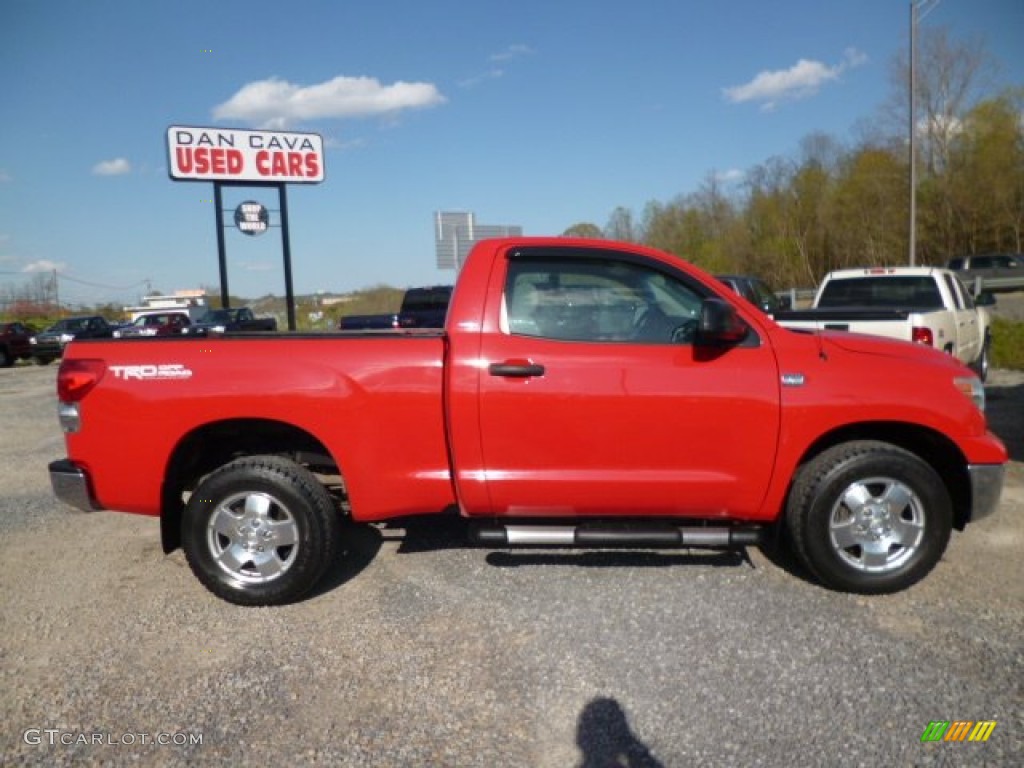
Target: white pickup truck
{"x":925,"y":305}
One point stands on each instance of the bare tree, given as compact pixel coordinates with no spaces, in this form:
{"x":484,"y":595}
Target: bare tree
{"x":621,"y":226}
{"x":950,"y":76}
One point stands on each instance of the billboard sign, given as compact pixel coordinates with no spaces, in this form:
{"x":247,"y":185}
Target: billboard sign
{"x":229,"y":154}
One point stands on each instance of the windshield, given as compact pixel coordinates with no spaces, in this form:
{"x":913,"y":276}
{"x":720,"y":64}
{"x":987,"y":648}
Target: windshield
{"x":219,"y":316}
{"x":71,"y":324}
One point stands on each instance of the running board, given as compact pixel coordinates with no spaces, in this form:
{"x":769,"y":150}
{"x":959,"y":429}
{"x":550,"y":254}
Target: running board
{"x":611,"y":535}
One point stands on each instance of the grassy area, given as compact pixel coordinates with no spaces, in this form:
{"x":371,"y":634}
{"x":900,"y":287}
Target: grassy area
{"x":1007,"y":344}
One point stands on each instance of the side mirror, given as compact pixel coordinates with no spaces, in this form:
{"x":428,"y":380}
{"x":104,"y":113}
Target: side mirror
{"x":719,"y":324}
{"x":985,"y":299}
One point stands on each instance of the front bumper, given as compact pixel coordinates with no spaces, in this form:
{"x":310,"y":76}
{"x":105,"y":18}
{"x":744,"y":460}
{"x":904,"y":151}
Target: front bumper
{"x":986,"y":488}
{"x":71,"y":485}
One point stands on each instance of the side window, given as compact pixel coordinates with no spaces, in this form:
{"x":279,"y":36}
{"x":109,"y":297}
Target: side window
{"x":981,"y":262}
{"x":599,"y":300}
{"x":968,"y":298}
{"x":954,"y":290}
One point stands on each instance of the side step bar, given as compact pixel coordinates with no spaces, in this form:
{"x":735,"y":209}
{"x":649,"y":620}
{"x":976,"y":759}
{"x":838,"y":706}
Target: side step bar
{"x":611,"y":535}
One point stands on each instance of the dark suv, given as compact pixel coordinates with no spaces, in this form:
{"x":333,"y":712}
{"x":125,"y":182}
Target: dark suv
{"x":425,"y":307}
{"x":991,"y":266}
{"x":756,"y":291}
{"x":49,"y":345}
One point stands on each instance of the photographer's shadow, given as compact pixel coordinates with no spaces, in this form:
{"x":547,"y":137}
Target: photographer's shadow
{"x":606,"y":741}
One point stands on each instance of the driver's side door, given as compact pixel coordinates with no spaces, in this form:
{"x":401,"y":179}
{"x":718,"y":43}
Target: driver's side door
{"x":593,"y":399}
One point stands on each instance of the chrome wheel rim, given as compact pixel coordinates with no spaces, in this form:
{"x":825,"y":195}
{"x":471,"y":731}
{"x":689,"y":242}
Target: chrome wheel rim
{"x":877,"y":524}
{"x":253,"y":537}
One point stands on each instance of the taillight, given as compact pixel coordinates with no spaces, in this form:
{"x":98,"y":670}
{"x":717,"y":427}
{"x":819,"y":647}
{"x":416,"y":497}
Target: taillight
{"x":76,"y":378}
{"x":922,"y":336}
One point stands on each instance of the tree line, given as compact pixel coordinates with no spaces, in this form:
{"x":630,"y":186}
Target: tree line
{"x":834,"y":206}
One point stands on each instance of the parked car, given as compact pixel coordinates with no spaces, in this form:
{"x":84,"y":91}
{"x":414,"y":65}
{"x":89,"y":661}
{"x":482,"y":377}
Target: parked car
{"x":229,"y":320}
{"x":15,"y":343}
{"x":49,"y":345}
{"x":998,"y":271}
{"x":925,"y":305}
{"x":756,"y":291}
{"x":421,"y":308}
{"x":155,"y":324}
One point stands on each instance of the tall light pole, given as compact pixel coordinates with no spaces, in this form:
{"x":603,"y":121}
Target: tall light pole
{"x":915,"y":6}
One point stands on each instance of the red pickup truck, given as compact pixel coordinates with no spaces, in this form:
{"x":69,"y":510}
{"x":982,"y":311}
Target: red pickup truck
{"x":583,"y":393}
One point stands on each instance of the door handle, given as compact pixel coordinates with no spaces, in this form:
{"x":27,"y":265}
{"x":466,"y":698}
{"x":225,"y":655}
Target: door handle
{"x":520,"y":369}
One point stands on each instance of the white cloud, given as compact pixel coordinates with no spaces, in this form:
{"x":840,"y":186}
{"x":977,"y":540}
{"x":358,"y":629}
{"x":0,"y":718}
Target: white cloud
{"x":116,"y":167}
{"x":803,"y":79}
{"x":5,"y":176}
{"x":276,"y":103}
{"x":731,"y":176}
{"x":512,"y":52}
{"x":472,"y":82}
{"x":44,"y":265}
{"x":255,"y":266}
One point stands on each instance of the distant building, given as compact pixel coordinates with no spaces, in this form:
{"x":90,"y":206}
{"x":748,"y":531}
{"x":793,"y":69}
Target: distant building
{"x":191,"y":301}
{"x":456,"y":232}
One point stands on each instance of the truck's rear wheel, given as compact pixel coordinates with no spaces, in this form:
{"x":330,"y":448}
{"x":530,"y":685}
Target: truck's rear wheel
{"x":869,"y":517}
{"x":260,"y":530}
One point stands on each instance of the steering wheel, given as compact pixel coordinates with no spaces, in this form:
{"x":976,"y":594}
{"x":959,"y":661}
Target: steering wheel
{"x":685,"y":333}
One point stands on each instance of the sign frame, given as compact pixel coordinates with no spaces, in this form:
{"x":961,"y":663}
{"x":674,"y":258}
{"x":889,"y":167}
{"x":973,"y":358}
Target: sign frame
{"x":204,"y":153}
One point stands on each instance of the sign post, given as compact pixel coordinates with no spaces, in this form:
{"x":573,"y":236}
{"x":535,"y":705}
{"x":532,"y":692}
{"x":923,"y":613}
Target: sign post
{"x":237,"y":157}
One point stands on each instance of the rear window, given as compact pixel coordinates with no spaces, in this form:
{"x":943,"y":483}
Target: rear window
{"x":422,"y":299}
{"x":911,"y":292}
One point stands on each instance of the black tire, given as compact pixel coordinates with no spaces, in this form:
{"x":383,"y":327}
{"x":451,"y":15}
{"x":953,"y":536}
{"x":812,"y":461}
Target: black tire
{"x":869,"y":517}
{"x":42,"y":360}
{"x":980,"y":366}
{"x":260,"y":530}
{"x":6,"y":358}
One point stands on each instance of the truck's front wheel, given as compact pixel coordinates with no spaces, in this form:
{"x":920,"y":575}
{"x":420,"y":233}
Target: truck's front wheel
{"x":869,"y":517}
{"x":260,"y":530}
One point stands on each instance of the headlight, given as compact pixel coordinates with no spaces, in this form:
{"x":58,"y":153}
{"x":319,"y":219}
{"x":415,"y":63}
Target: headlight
{"x":218,"y":329}
{"x":66,"y":338}
{"x":972,"y":387}
{"x":33,"y":340}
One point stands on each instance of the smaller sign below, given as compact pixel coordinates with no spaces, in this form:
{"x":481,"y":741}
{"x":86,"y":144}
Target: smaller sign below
{"x":252,"y":218}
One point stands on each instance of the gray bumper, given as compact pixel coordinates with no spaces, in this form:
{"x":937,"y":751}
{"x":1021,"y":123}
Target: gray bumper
{"x":71,"y":485}
{"x":986,"y":488}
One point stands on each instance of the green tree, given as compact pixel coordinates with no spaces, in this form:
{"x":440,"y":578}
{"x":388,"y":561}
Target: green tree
{"x":584,"y":229}
{"x":987,"y":170}
{"x":868,"y":221}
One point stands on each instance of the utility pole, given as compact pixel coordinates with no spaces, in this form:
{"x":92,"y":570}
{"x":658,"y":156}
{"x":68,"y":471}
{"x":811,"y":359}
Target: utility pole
{"x":915,"y":6}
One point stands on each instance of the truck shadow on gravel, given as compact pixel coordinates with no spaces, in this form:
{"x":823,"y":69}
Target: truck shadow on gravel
{"x":362,"y":543}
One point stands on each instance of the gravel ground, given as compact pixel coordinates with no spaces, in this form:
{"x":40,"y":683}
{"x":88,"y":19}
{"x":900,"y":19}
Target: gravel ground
{"x":418,"y":652}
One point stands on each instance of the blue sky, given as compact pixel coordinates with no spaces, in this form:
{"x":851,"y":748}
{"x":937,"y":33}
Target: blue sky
{"x":538,"y":114}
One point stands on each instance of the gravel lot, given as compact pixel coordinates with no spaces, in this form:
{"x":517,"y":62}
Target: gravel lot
{"x":420,"y":653}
